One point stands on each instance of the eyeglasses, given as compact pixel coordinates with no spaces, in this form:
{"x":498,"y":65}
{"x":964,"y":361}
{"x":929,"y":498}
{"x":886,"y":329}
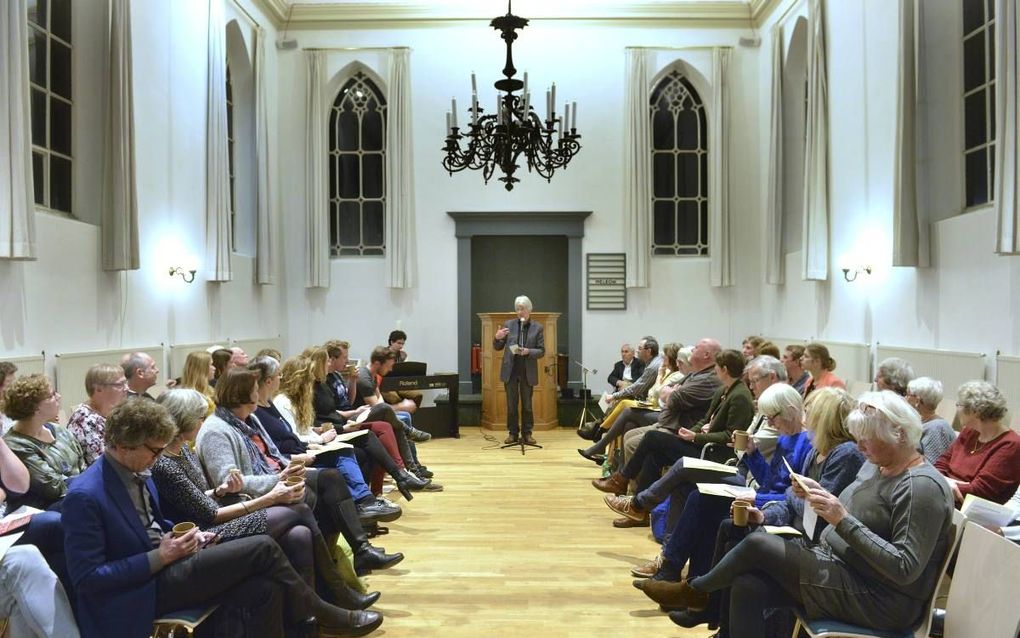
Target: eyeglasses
{"x":120,"y":385}
{"x":156,"y":451}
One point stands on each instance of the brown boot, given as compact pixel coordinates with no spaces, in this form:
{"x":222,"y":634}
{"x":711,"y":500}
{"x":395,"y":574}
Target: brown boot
{"x":615,"y":483}
{"x":625,"y":505}
{"x":673,"y":594}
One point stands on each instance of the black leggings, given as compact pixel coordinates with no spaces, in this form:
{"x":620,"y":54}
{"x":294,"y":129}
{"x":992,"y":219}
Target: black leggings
{"x":292,"y":527}
{"x":762,"y":572}
{"x":334,"y":508}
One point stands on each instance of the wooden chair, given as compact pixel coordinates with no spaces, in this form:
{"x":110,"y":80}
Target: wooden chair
{"x":984,"y":593}
{"x":827,"y":628}
{"x":186,"y":620}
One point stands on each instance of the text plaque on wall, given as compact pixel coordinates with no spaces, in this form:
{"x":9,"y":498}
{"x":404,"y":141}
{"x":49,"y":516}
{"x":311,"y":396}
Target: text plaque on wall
{"x":607,"y":281}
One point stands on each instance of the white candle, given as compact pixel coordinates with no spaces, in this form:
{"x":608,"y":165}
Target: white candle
{"x":553,"y":97}
{"x":573,"y":116}
{"x":565,"y":120}
{"x":525,"y":82}
{"x":527,"y":106}
{"x":474,"y":110}
{"x":548,"y":105}
{"x":449,"y":130}
{"x":474,"y":83}
{"x":453,"y":102}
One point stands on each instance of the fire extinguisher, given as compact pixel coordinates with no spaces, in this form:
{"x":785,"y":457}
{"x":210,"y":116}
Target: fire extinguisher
{"x":476,"y":358}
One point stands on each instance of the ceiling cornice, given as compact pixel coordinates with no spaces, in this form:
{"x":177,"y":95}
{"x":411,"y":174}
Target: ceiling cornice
{"x":357,"y":14}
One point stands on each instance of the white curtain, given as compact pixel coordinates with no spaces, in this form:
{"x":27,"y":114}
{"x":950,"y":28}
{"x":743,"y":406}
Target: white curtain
{"x":217,"y":176}
{"x":17,"y":201}
{"x":401,"y":238}
{"x":264,"y":258}
{"x":120,"y":189}
{"x":1007,"y":166}
{"x":910,"y":225}
{"x":637,"y":167}
{"x":720,"y":252}
{"x":816,"y":152}
{"x":316,"y":195}
{"x":772,"y":238}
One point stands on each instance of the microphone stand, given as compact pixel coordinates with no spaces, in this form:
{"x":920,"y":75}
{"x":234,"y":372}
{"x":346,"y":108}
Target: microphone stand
{"x":585,"y":395}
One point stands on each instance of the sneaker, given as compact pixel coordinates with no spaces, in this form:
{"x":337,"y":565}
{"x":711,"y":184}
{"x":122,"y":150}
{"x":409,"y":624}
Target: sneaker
{"x":378,"y":511}
{"x":418,"y":436}
{"x":648,"y":569}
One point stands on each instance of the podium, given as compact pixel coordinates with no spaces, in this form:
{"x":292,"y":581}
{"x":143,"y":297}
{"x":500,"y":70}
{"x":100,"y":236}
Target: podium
{"x":493,"y":392}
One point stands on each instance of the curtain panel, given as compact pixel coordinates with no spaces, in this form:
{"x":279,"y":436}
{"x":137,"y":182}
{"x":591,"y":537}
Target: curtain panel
{"x":401,"y":237}
{"x":217,"y":176}
{"x":1007,"y":167}
{"x":265,"y":264}
{"x":772,"y":238}
{"x":815,"y":265}
{"x":17,"y":199}
{"x":316,"y":184}
{"x":637,"y":167}
{"x":719,"y":249}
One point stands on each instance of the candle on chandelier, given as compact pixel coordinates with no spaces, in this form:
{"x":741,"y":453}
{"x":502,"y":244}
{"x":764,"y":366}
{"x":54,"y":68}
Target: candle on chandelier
{"x":527,"y":105}
{"x":553,"y":100}
{"x":525,"y":90}
{"x":573,"y":115}
{"x":474,"y":83}
{"x":449,"y":129}
{"x":453,"y":109}
{"x":565,"y":121}
{"x":548,"y":105}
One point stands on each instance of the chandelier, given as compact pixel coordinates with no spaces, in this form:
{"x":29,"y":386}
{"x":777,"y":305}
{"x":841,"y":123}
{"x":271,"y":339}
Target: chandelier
{"x":514,"y":129}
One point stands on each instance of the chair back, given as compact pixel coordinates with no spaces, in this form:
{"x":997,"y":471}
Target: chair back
{"x":985,"y":589}
{"x":959,"y":521}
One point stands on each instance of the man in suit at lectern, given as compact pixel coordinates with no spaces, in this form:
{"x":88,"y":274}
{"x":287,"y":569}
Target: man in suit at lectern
{"x":523,"y":344}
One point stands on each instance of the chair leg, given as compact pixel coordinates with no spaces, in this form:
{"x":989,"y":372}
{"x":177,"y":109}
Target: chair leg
{"x":796,"y":629}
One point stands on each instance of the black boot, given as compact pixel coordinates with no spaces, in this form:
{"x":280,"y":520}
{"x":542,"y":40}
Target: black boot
{"x":410,"y":482}
{"x":334,"y":589}
{"x":334,"y":621}
{"x":368,"y":558}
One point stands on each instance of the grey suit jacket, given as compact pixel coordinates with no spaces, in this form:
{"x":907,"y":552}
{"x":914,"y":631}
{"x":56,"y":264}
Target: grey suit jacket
{"x":534,"y":341}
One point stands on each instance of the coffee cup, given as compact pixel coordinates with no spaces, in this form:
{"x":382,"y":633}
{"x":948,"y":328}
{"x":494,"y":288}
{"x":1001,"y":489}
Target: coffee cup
{"x":740,"y":513}
{"x":291,"y":481}
{"x":234,"y":470}
{"x":740,"y":438}
{"x":180,"y":529}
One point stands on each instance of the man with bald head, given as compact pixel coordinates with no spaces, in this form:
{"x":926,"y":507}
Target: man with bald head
{"x":140,"y":371}
{"x":684,"y":403}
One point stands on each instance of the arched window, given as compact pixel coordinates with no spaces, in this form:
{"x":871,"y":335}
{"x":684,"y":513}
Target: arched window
{"x":679,"y":168}
{"x":230,"y":158}
{"x":357,"y":151}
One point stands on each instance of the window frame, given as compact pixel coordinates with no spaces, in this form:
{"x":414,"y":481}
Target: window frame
{"x":988,"y":87}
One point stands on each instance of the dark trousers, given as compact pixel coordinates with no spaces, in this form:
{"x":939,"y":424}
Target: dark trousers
{"x":519,"y":390}
{"x":693,"y":539}
{"x":658,"y":449}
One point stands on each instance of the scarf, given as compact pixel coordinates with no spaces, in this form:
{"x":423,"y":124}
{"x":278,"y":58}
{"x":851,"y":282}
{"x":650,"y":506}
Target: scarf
{"x":258,"y":461}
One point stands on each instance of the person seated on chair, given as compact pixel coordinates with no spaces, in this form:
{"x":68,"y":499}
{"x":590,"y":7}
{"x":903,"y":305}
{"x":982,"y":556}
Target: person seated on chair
{"x":627,"y":370}
{"x":221,"y":358}
{"x":819,"y":364}
{"x":795,"y":372}
{"x":106,"y":387}
{"x":396,"y":342}
{"x":199,"y":373}
{"x":749,"y":345}
{"x":141,"y":372}
{"x":731,"y":409}
{"x":833,"y":462}
{"x":925,"y":394}
{"x":877,"y":562}
{"x":648,"y":354}
{"x":32,"y":598}
{"x":380,"y":363}
{"x":628,"y":414}
{"x":49,"y":451}
{"x":129,"y":568}
{"x":233,"y":438}
{"x":894,"y":374}
{"x":7,"y":373}
{"x":185,"y":495}
{"x":985,"y":459}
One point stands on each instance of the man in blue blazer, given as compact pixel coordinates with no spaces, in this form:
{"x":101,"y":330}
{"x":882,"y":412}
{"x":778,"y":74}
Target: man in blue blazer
{"x":519,"y":369}
{"x":128,"y":569}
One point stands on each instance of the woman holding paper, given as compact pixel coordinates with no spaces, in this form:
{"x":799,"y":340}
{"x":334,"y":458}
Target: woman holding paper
{"x":185,"y":496}
{"x":878,"y":561}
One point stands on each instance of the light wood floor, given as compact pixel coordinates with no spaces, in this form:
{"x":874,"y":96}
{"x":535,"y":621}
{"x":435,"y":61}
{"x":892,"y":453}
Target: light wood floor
{"x":514,"y":546}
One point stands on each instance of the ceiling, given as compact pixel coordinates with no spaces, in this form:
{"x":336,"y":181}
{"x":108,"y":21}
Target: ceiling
{"x":317,"y":14}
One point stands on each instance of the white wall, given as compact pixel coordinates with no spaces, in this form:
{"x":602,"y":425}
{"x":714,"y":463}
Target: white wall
{"x":63,"y":302}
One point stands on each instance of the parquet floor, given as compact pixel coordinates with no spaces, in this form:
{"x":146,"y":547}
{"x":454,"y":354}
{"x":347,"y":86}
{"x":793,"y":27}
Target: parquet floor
{"x":514,"y":546}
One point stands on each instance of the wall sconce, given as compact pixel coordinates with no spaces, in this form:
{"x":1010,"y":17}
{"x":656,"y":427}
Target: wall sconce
{"x":187,"y":275}
{"x":856,"y":271}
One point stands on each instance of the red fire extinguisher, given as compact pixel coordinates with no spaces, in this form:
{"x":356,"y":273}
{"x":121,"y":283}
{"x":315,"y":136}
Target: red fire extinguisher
{"x":476,"y":358}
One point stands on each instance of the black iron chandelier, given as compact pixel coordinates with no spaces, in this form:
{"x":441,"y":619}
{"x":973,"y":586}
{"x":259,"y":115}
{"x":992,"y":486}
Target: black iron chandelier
{"x":515,"y":129}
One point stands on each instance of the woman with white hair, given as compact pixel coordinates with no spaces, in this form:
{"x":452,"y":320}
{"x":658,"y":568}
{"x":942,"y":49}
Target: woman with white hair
{"x":985,"y":459}
{"x":523,"y":344}
{"x":925,"y":394}
{"x":877,"y":562}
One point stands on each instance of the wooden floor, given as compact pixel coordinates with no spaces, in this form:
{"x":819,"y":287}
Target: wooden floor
{"x":514,"y":546}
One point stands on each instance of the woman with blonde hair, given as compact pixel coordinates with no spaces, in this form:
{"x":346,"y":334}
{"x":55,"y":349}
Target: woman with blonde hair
{"x":106,"y":387}
{"x":198,"y":372}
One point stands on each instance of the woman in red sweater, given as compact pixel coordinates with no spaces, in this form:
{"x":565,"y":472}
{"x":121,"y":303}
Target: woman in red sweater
{"x":985,"y":459}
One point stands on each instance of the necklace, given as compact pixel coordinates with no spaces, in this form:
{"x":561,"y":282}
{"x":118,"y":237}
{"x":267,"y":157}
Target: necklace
{"x":980,"y":445}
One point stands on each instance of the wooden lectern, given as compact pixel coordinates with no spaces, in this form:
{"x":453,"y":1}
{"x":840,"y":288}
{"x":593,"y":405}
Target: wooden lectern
{"x":493,"y":393}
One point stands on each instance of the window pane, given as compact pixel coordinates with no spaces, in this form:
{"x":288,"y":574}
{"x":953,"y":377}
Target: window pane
{"x":37,"y":12}
{"x":334,"y":226}
{"x":687,"y":223}
{"x":703,"y":174}
{"x":37,"y":57}
{"x":974,"y":120}
{"x":60,"y":126}
{"x":38,"y":118}
{"x":688,"y":134}
{"x":990,"y":7}
{"x":60,"y":19}
{"x":664,"y":233}
{"x":663,"y":130}
{"x":38,"y":178}
{"x":703,"y":212}
{"x":60,"y":184}
{"x":60,"y":69}
{"x":991,"y":170}
{"x":977,"y":180}
{"x":372,"y":130}
{"x":348,"y":131}
{"x":663,"y":175}
{"x":334,"y":174}
{"x":350,"y":224}
{"x":372,"y":233}
{"x":350,"y":176}
{"x":372,"y":175}
{"x":687,"y":182}
{"x":991,"y":112}
{"x":973,"y":62}
{"x":990,"y":47}
{"x":973,"y":15}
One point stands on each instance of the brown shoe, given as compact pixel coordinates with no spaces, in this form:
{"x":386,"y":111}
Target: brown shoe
{"x":530,"y":440}
{"x":615,"y":483}
{"x":625,"y":505}
{"x":648,"y":569}
{"x":629,"y":522}
{"x":510,"y":439}
{"x":673,"y":594}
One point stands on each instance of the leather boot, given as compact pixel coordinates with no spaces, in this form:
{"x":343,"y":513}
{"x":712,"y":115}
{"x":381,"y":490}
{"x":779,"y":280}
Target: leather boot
{"x":408,"y":482}
{"x":334,"y":621}
{"x":615,"y":483}
{"x":335,"y":590}
{"x":367,"y":558}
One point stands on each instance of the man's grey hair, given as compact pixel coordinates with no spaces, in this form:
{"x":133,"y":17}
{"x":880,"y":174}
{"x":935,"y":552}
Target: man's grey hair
{"x":896,"y":373}
{"x":767,"y":364}
{"x":132,"y":363}
{"x":522,"y":300}
{"x":927,"y":390}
